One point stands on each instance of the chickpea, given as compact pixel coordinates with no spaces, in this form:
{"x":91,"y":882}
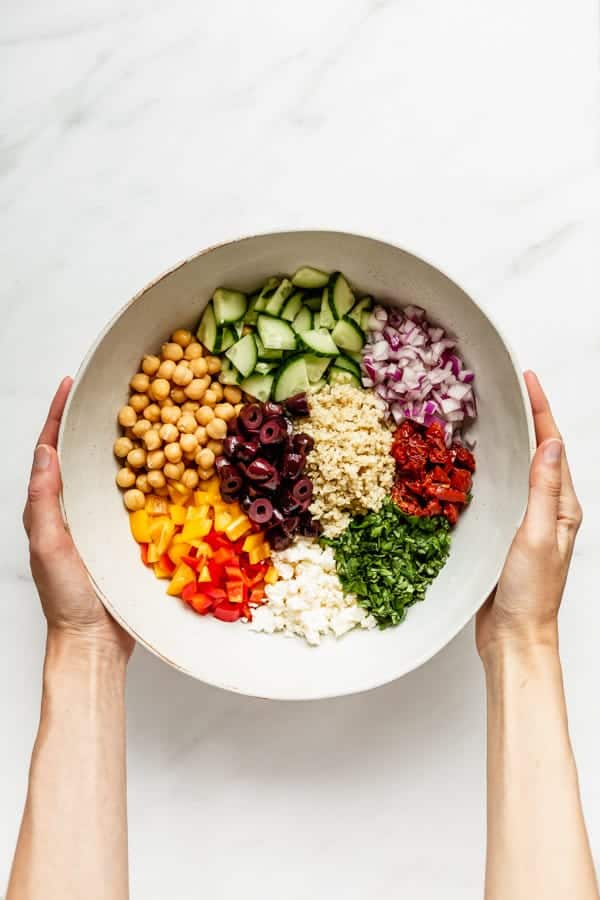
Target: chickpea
{"x":190,"y":479}
{"x":173,"y":452}
{"x":232,"y":394}
{"x":174,"y":471}
{"x":139,"y":402}
{"x":171,"y":351}
{"x":165,"y":370}
{"x":217,"y":429}
{"x":183,"y":337}
{"x":214,"y":365}
{"x":178,"y":395}
{"x":187,"y":423}
{"x":136,"y":458}
{"x":205,"y":474}
{"x":152,"y":412}
{"x":127,"y":416}
{"x":238,"y":408}
{"x":128,"y":432}
{"x":225,"y":411}
{"x":166,"y":402}
{"x":190,"y":406}
{"x":182,"y":375}
{"x":198,"y":367}
{"x":170,"y":414}
{"x":156,"y":479}
{"x":122,"y":447}
{"x":134,"y":500}
{"x":196,"y":389}
{"x":210,"y":398}
{"x":205,"y":458}
{"x":162,"y":491}
{"x":140,"y":383}
{"x":141,"y":483}
{"x":217,"y":387}
{"x":141,"y":427}
{"x":152,"y":439}
{"x":201,"y":435}
{"x":204,"y":415}
{"x":194,"y":350}
{"x":150,"y":365}
{"x":169,"y":433}
{"x":216,"y":447}
{"x":161,"y":388}
{"x":125,"y":477}
{"x":189,"y":443}
{"x":155,"y":460}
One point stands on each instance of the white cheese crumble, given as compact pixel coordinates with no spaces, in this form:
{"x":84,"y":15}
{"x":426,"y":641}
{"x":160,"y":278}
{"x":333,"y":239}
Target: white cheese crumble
{"x":308,"y":600}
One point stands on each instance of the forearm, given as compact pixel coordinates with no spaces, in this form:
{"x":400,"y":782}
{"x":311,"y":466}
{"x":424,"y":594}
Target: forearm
{"x":73,"y":839}
{"x":537,"y":841}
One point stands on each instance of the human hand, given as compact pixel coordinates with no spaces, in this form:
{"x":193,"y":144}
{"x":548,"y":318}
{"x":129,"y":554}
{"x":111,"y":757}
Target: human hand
{"x":524,"y":606}
{"x":68,"y":599}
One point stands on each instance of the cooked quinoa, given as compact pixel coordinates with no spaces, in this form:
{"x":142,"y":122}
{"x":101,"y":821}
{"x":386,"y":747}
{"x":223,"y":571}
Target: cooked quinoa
{"x":350,"y":467}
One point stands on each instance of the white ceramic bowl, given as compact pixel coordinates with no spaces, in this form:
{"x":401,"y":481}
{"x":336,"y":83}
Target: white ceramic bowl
{"x":232,"y":656}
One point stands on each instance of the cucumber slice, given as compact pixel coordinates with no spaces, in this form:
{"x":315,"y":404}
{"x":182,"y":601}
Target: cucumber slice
{"x":363,"y":306}
{"x":364,"y":321}
{"x":316,"y":366}
{"x":341,"y":298}
{"x":303,"y":321}
{"x":267,"y":355}
{"x":269,"y":288}
{"x":207,"y":328}
{"x":357,"y":357}
{"x":317,"y":320}
{"x":327,"y":318}
{"x":275,"y":333}
{"x":229,"y":306}
{"x":348,"y":335}
{"x":319,"y":342}
{"x":307,"y":277}
{"x":258,"y":386}
{"x":292,"y":307}
{"x":318,"y":385}
{"x":350,"y":365}
{"x":291,"y":379}
{"x":314,"y":301}
{"x":244,"y":355}
{"x":342,"y":376}
{"x":277,"y":301}
{"x":228,"y":374}
{"x":265,"y":368}
{"x":252,"y":313}
{"x":226,"y":336}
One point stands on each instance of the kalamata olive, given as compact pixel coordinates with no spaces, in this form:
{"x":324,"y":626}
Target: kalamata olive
{"x":221,"y":463}
{"x":273,"y":409}
{"x":230,"y":445}
{"x":277,"y":518}
{"x":254,"y":491}
{"x":304,"y":505}
{"x":310,"y":527}
{"x":259,"y":470}
{"x":292,"y":465}
{"x":232,"y":426}
{"x":251,"y":417}
{"x":261,"y":511}
{"x":273,"y":482}
{"x":277,"y":539}
{"x":302,"y":489}
{"x":272,"y":431}
{"x":231,"y":480}
{"x":289,"y":427}
{"x":290,"y":525}
{"x":246,"y":502}
{"x":288,"y":505}
{"x":298,"y":405}
{"x":302,"y":443}
{"x":247,"y":450}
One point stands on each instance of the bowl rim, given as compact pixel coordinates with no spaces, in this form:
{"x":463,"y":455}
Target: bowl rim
{"x":425,"y":657}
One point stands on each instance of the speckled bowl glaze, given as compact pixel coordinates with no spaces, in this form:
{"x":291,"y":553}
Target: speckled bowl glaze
{"x":232,"y":656}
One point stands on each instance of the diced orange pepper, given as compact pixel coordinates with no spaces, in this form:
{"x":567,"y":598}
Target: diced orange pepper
{"x":160,"y":571}
{"x":153,"y":554}
{"x":259,"y":553}
{"x":177,"y":513}
{"x":182,"y":576}
{"x":252,"y":541}
{"x":139,"y":523}
{"x":156,"y":506}
{"x":238,"y":528}
{"x":176,"y":551}
{"x":196,"y":528}
{"x":204,"y":575}
{"x":271,"y":575}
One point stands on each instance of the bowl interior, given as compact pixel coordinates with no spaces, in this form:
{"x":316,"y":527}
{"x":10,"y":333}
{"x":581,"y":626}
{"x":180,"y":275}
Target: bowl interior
{"x":234,"y":657}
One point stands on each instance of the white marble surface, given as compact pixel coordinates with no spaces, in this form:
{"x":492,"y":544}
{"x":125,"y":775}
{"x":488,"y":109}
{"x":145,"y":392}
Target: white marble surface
{"x":134,"y":134}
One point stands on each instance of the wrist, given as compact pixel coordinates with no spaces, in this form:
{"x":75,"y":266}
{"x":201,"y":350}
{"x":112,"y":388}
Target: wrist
{"x":528,"y":648}
{"x":71,"y":649}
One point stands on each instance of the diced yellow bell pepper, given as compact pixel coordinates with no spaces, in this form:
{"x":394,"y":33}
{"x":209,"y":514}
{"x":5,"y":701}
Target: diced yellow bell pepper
{"x":203,"y":548}
{"x":166,"y":534}
{"x":259,"y":553}
{"x":222,"y":521}
{"x":204,"y":575}
{"x":179,"y":539}
{"x":201,"y":497}
{"x":176,"y":551}
{"x":252,"y":541}
{"x":156,"y":526}
{"x":139,"y":522}
{"x":177,"y":513}
{"x":178,"y":492}
{"x":183,"y":575}
{"x":212,"y":486}
{"x":160,"y":571}
{"x":156,"y":506}
{"x":197,"y":528}
{"x":198,"y":512}
{"x":153,"y":554}
{"x":271,"y":576}
{"x":238,"y":527}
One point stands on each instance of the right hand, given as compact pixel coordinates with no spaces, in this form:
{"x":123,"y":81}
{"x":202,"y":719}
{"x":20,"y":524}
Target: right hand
{"x":524,"y":606}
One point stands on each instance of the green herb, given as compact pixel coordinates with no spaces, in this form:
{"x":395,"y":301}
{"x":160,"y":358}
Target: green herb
{"x":389,"y":559}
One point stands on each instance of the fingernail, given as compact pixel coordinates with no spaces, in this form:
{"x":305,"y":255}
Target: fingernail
{"x":552,"y":451}
{"x":41,"y":458}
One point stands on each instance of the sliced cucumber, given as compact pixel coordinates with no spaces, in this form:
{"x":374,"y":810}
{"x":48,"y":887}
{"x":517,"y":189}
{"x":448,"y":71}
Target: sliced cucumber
{"x":267,"y":355}
{"x":276,"y":303}
{"x":348,"y":335}
{"x":316,"y":366}
{"x":357,"y":357}
{"x":252,"y":312}
{"x":258,"y":386}
{"x":292,"y":307}
{"x":363,"y":306}
{"x":350,"y":365}
{"x":318,"y":385}
{"x":327,"y":318}
{"x":275,"y":333}
{"x":341,"y":298}
{"x":207,"y":328}
{"x":265,"y":368}
{"x":313,"y":301}
{"x":226,"y":336}
{"x":228,"y":374}
{"x":319,"y":342}
{"x":342,"y":376}
{"x":291,"y":379}
{"x":244,"y":355}
{"x":317,"y":319}
{"x":307,"y":277}
{"x":303,"y":321}
{"x":269,"y":288}
{"x":229,"y":306}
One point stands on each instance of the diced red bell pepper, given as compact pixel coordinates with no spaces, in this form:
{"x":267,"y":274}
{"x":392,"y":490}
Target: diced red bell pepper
{"x":225,"y":556}
{"x":257,"y":596}
{"x":227,"y":612}
{"x":237,"y":592}
{"x":201,"y":603}
{"x":246,"y":612}
{"x":446,"y":494}
{"x":451,"y":513}
{"x":167,"y":563}
{"x":189,"y":591}
{"x":217,"y":595}
{"x":194,"y":562}
{"x":215,"y":570}
{"x":460,"y":480}
{"x":234,"y":572}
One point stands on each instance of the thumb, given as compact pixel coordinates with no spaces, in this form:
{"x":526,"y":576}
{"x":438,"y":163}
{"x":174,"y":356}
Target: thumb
{"x":545,"y":482}
{"x":43,"y":519}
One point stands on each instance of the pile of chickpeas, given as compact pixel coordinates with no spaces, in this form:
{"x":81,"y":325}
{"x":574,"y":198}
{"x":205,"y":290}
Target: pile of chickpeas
{"x":175,"y":421}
